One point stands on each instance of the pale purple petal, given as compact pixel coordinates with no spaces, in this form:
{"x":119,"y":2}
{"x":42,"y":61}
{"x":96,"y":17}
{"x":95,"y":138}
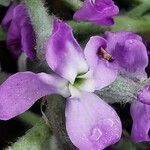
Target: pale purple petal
{"x":20,"y":15}
{"x":14,"y":39}
{"x":28,"y":41}
{"x":104,"y":72}
{"x":64,"y":55}
{"x":91,"y":123}
{"x":100,"y":12}
{"x":128,"y":50}
{"x":21,"y":90}
{"x":144,"y":95}
{"x":119,"y":37}
{"x":8,"y":17}
{"x":20,"y":36}
{"x":141,"y":122}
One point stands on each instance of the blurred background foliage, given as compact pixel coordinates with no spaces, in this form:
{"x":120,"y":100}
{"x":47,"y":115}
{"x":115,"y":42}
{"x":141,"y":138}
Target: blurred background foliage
{"x":134,"y":16}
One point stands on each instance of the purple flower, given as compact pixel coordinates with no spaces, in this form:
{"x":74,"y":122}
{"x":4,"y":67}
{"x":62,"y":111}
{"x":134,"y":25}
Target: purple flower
{"x":20,"y":34}
{"x":90,"y":122}
{"x":100,"y":12}
{"x":129,"y":53}
{"x":126,"y":49}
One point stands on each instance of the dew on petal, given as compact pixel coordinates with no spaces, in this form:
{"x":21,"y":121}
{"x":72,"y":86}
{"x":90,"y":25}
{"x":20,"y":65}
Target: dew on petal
{"x":109,"y":122}
{"x":103,"y":134}
{"x":130,"y":41}
{"x":96,"y":134}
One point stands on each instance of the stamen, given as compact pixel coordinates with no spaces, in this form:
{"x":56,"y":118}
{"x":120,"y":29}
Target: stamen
{"x":105,"y":55}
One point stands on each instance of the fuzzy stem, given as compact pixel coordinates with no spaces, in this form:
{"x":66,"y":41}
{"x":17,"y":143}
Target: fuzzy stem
{"x":34,"y":139}
{"x":122,"y":90}
{"x":55,"y":113}
{"x":41,"y":22}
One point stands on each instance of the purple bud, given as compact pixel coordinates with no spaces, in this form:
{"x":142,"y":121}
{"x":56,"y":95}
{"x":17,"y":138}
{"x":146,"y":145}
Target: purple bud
{"x":20,"y":34}
{"x":140,"y":113}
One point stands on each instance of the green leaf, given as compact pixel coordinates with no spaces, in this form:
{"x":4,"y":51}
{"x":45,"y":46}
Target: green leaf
{"x":124,"y":144}
{"x":84,"y":30}
{"x":37,"y":138}
{"x":138,"y":25}
{"x":5,"y":2}
{"x":2,"y":34}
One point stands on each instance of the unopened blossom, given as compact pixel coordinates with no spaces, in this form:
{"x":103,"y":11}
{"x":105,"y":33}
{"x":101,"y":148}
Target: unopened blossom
{"x":90,"y":122}
{"x":99,"y":12}
{"x":130,"y":54}
{"x":140,"y":113}
{"x":20,"y":34}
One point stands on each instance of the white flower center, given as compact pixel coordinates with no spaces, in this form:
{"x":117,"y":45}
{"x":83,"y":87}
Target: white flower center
{"x":83,"y":82}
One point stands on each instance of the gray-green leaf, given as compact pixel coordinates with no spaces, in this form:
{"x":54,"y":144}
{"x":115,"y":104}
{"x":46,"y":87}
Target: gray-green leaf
{"x":5,"y":2}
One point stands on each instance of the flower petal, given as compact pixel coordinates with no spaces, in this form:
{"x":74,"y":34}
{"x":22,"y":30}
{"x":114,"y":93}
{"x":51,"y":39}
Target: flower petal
{"x":20,"y":15}
{"x":100,"y":12}
{"x":104,"y":72}
{"x":144,"y":95}
{"x":27,"y":33}
{"x":91,"y":123}
{"x":28,"y":41}
{"x":64,"y":54}
{"x":14,"y":39}
{"x":119,"y":37}
{"x":129,"y":51}
{"x":141,"y":122}
{"x":21,"y":90}
{"x":8,"y":17}
{"x":20,"y":34}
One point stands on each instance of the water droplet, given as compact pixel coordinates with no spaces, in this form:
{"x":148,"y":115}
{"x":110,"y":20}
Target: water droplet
{"x":148,"y":88}
{"x":106,"y":122}
{"x":130,"y":41}
{"x":109,"y":122}
{"x":96,"y":134}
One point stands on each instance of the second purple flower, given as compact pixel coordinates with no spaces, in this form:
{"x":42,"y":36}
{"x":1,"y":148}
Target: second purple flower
{"x":99,"y":12}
